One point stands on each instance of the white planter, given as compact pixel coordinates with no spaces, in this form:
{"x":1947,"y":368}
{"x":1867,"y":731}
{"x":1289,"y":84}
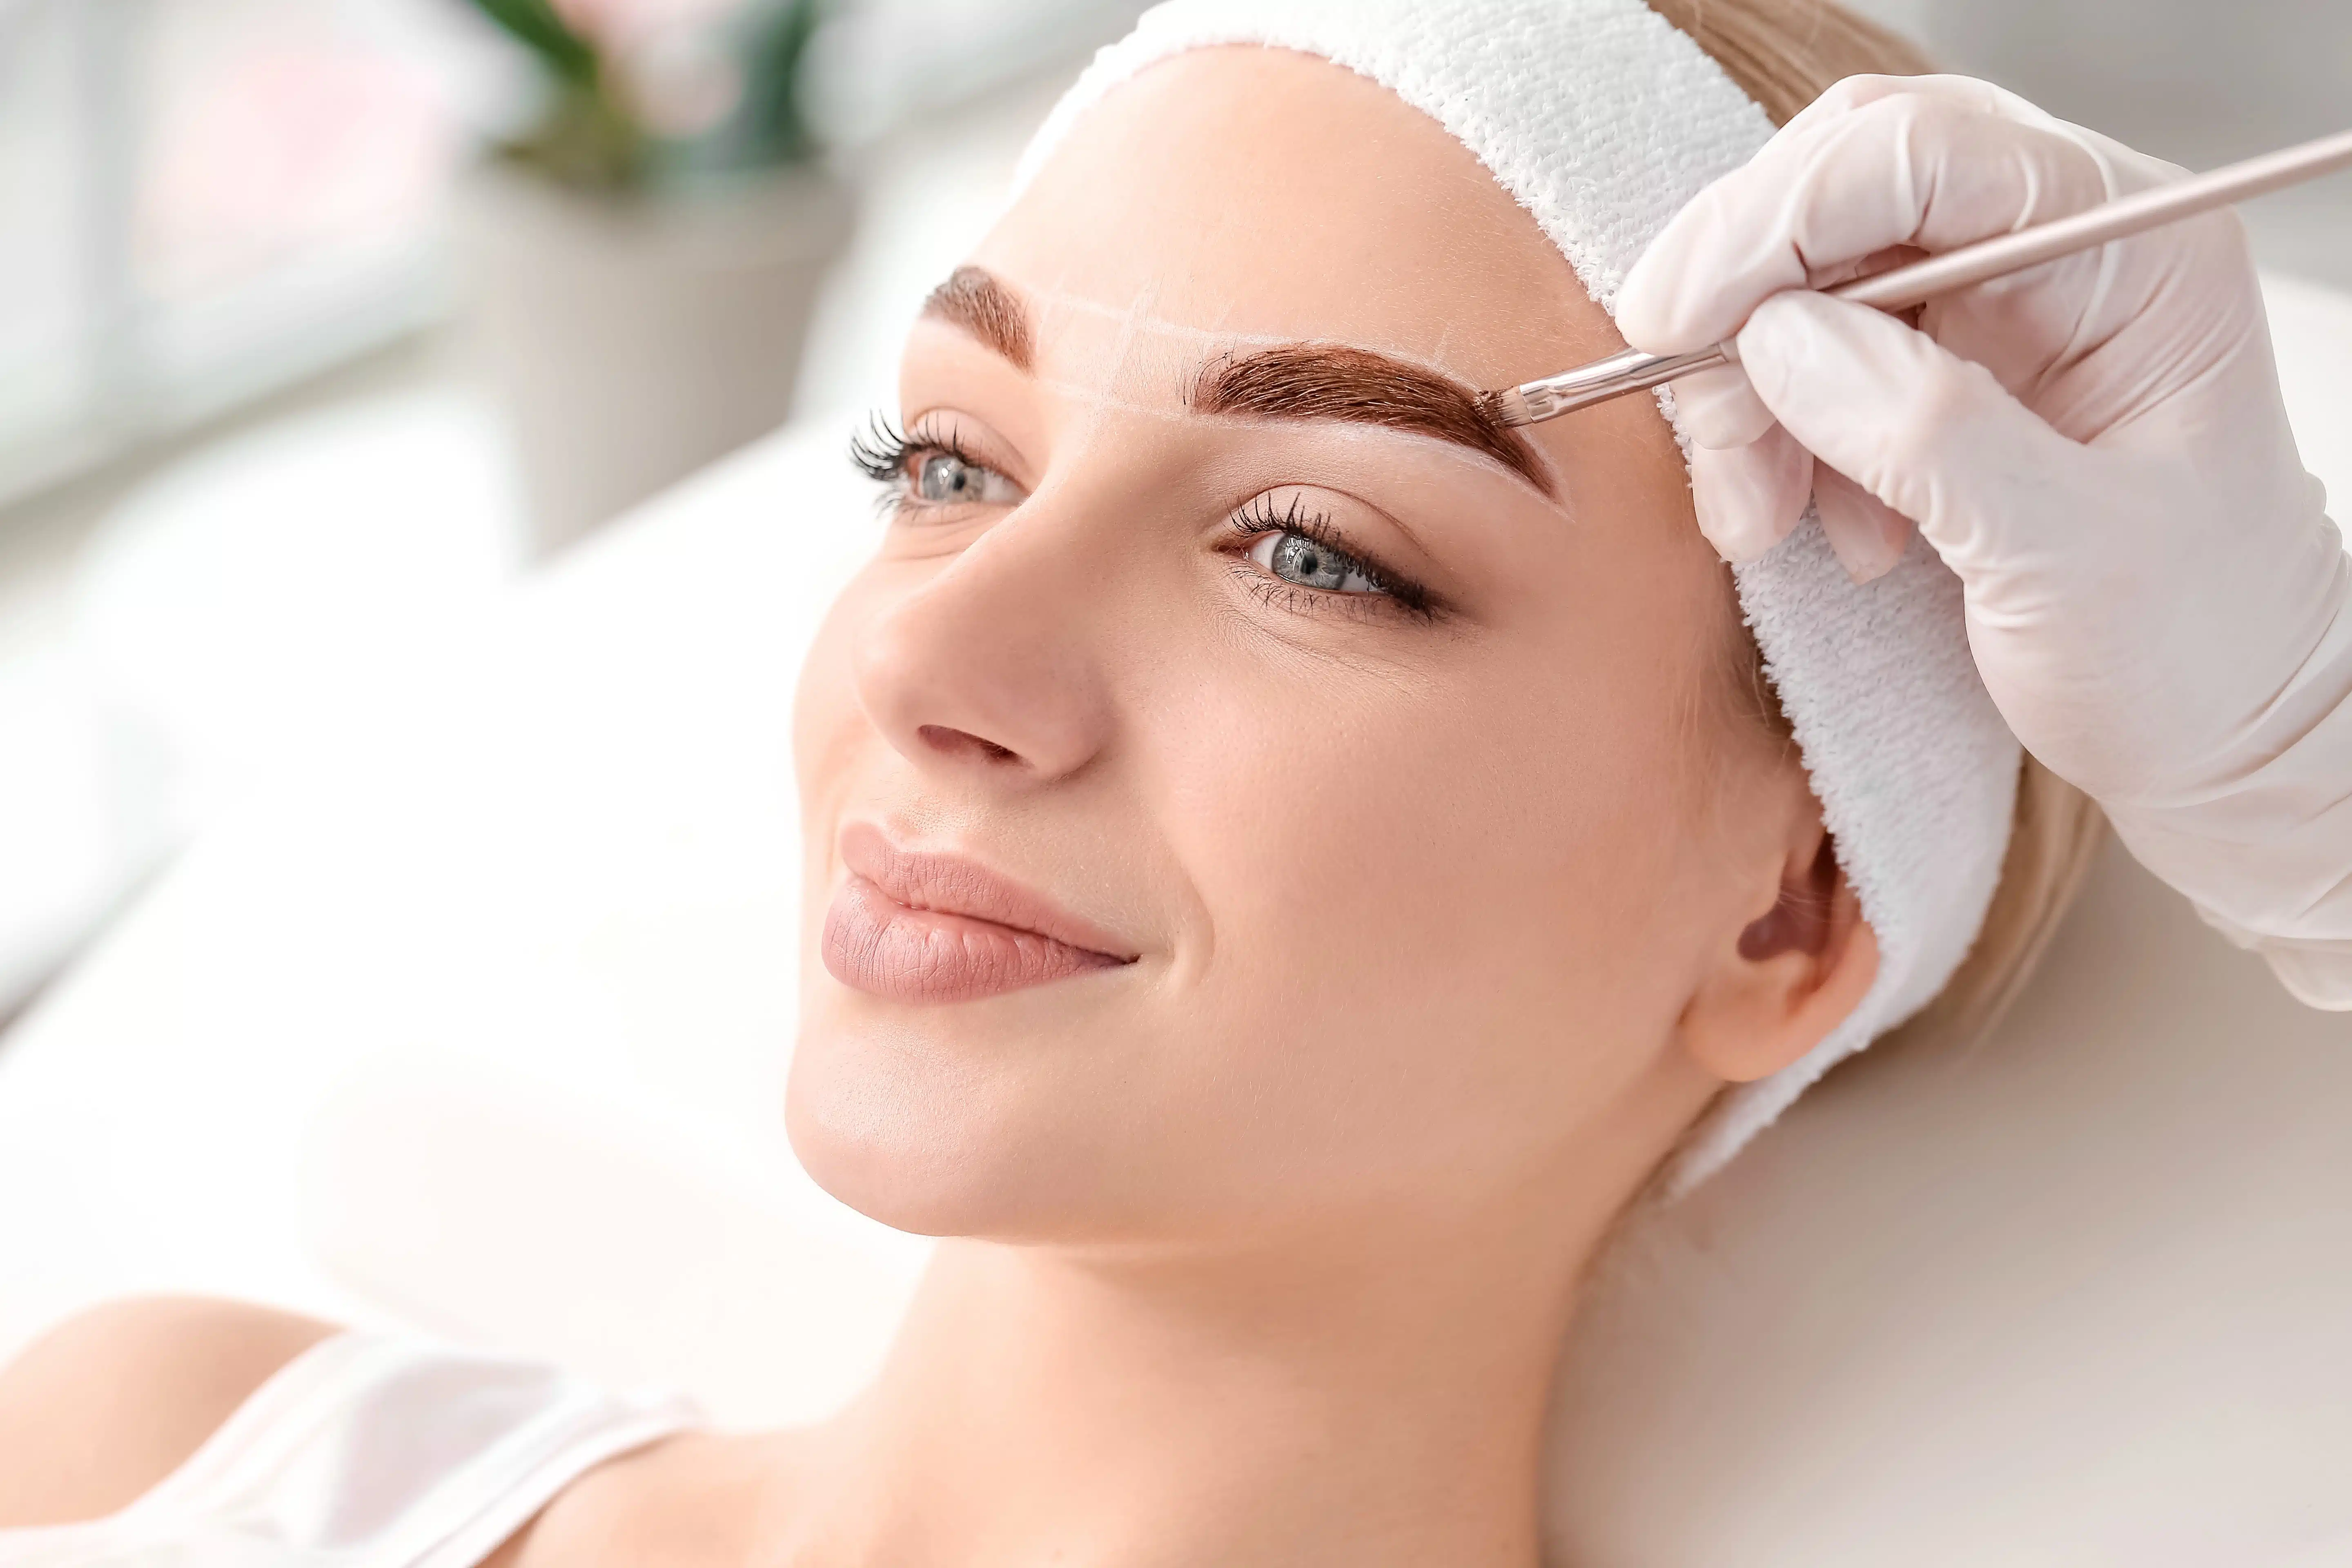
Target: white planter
{"x":635,"y":339}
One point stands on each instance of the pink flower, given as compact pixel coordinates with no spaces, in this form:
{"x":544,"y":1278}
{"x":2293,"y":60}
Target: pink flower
{"x":665,"y":56}
{"x":624,"y":27}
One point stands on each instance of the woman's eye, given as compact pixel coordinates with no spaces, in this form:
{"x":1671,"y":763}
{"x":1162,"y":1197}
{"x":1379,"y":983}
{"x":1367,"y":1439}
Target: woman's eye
{"x":946,"y":478}
{"x":1310,"y":563}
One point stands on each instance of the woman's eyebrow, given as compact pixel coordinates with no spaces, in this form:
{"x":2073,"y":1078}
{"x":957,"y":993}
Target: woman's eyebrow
{"x":1331,"y":381}
{"x":973,"y":300}
{"x":1289,"y":381}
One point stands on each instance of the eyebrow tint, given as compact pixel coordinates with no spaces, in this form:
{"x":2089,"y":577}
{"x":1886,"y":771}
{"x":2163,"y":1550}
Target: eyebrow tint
{"x":974,"y":300}
{"x":1328,"y":380}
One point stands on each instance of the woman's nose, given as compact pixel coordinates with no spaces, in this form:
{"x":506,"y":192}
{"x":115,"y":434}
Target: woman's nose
{"x":985,"y":668}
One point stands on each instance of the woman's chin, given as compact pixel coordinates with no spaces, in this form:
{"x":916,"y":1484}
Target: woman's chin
{"x":925,"y":1147}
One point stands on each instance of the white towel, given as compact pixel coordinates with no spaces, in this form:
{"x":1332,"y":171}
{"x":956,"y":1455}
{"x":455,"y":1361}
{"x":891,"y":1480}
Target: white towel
{"x":1602,"y":119}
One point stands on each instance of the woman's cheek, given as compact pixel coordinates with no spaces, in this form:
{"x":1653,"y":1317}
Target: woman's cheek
{"x":1320,"y":815}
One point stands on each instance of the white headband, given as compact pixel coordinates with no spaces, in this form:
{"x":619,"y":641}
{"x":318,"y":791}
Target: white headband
{"x":1602,"y":119}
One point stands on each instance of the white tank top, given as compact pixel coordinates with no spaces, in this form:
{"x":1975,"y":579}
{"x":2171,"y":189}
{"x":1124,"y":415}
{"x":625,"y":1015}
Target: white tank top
{"x":368,"y":1451}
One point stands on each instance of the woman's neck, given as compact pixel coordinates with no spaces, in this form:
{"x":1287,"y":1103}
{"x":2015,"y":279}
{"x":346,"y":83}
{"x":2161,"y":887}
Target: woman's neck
{"x":1370,"y":1398}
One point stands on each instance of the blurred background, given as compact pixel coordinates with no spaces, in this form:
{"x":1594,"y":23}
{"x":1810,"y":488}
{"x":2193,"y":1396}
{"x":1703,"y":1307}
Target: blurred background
{"x":322,"y":321}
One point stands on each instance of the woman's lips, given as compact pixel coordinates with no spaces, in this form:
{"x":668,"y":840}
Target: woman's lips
{"x":917,"y":927}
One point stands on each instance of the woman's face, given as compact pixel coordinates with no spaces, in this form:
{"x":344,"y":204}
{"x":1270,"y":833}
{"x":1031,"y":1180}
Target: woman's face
{"x":1243,"y":788}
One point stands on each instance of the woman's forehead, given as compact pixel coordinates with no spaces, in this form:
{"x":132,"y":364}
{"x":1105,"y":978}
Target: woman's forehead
{"x":1238,"y":197}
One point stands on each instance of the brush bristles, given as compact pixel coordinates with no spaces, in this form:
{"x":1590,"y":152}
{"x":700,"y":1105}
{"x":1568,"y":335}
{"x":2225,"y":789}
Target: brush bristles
{"x":1505,"y":408}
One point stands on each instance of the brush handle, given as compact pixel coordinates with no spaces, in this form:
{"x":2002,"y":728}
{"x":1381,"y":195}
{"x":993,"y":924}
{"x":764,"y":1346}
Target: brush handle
{"x":1903,"y":286}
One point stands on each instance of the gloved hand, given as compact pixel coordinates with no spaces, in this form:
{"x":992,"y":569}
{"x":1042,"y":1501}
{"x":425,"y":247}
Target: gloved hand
{"x":2098,"y":447}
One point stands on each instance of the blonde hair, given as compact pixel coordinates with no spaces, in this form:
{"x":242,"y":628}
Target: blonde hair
{"x":1784,"y":54}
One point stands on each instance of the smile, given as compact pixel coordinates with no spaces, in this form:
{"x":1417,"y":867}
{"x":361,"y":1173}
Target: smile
{"x":912,"y":926}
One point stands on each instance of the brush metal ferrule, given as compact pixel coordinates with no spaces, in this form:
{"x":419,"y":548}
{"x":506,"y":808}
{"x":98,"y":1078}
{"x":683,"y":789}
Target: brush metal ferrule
{"x":1533,"y":402}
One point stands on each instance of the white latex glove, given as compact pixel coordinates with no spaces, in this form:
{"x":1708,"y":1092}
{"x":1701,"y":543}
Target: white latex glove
{"x":2098,"y":447}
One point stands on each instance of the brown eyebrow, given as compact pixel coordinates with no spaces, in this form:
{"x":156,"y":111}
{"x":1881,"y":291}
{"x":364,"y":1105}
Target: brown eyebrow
{"x":973,"y":300}
{"x":1294,"y":381}
{"x":1330,"y":381}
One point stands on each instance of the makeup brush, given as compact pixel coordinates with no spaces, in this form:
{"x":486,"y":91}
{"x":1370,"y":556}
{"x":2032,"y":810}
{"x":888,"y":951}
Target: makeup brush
{"x":1903,"y":286}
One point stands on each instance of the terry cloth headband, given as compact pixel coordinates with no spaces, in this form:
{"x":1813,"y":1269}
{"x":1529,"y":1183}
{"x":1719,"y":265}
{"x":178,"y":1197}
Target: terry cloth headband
{"x":1603,"y":120}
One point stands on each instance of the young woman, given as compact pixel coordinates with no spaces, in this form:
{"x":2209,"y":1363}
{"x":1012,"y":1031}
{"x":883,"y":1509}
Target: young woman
{"x":1290,"y":860}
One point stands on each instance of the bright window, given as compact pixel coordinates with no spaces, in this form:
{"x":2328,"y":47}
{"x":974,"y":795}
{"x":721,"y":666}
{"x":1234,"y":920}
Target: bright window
{"x":200,"y":200}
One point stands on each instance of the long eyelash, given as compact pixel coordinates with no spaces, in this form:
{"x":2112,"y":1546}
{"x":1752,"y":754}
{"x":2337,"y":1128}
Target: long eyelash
{"x":1261,"y":517}
{"x":881,"y":450}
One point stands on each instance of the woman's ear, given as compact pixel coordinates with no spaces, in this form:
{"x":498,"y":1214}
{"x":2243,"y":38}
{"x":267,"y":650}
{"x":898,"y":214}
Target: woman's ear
{"x":1791,"y":974}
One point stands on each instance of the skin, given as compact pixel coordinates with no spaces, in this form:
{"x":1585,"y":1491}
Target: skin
{"x":1443,"y":927}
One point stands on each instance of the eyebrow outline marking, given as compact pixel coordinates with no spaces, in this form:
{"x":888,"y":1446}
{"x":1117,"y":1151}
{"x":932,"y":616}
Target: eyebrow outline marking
{"x":1289,"y":380}
{"x":1079,"y":305}
{"x":1338,"y":381}
{"x":973,"y":300}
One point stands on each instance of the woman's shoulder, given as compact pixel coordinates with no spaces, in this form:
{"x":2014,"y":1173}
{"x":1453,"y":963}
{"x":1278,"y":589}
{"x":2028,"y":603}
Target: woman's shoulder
{"x":106,"y":1405}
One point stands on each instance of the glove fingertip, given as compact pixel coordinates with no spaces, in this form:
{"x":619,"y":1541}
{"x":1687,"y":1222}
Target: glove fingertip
{"x":1867,"y":536}
{"x":1749,"y":499}
{"x":1693,"y":284}
{"x":1717,"y":408}
{"x":1649,"y":304}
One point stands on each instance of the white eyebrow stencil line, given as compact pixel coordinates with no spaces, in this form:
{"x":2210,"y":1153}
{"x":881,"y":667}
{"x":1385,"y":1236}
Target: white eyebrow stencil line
{"x":1105,"y":401}
{"x":1122,"y":347}
{"x":1134,"y":316}
{"x":1137,"y":319}
{"x":1080,"y":305}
